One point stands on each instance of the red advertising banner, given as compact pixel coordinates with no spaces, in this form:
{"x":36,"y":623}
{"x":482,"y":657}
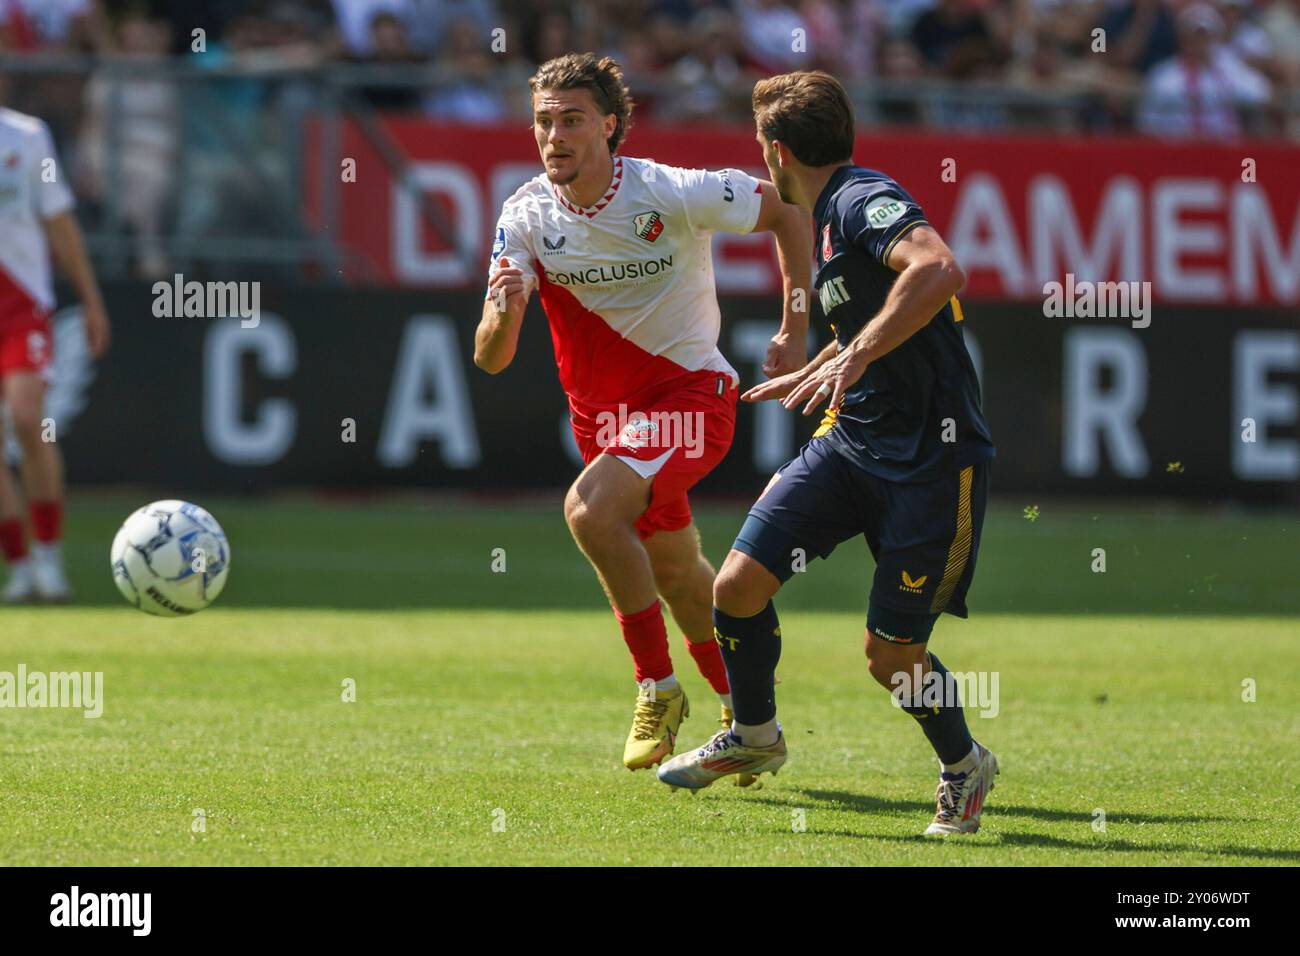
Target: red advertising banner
{"x":1208,"y":223}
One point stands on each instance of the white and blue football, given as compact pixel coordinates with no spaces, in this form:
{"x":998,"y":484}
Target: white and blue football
{"x":170,"y":558}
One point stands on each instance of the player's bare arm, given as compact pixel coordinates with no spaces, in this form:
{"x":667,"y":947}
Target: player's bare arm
{"x":928,"y":277}
{"x":69,"y":250}
{"x":497,"y":335}
{"x":792,"y":227}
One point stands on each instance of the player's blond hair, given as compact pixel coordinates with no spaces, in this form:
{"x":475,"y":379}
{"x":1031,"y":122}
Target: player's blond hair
{"x":810,"y":112}
{"x":603,"y":77}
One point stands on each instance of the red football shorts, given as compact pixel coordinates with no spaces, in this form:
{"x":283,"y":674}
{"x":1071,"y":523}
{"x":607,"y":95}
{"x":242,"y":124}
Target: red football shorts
{"x":26,"y":343}
{"x":676,"y":437}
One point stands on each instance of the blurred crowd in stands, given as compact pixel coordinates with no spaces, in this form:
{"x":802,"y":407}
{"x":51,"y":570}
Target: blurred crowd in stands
{"x":130,"y":125}
{"x":1171,"y":67}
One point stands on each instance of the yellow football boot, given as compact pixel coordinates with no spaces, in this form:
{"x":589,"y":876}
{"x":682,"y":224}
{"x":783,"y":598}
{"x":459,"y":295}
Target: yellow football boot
{"x":658,"y":715}
{"x":742,"y":779}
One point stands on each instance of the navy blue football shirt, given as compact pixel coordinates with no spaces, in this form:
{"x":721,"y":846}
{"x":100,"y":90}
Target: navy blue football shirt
{"x":894,"y":421}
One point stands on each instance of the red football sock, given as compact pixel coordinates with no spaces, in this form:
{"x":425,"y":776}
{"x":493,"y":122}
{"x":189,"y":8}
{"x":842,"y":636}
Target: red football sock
{"x":708,"y":658}
{"x":12,"y":540}
{"x":47,"y":521}
{"x":647,"y":639}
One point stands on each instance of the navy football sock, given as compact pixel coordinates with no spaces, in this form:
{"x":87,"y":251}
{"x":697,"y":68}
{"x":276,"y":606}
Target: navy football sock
{"x":943,"y":720}
{"x":751,"y":647}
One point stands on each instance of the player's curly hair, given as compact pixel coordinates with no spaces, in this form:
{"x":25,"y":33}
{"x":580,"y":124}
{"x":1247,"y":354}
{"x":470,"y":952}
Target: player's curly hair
{"x":603,"y":77}
{"x":810,"y":112}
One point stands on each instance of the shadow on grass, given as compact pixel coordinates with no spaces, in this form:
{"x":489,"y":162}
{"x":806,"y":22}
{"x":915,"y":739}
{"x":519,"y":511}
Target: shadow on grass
{"x":865,"y":803}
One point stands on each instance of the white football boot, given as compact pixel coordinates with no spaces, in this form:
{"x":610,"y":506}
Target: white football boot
{"x":960,"y":796}
{"x":47,"y":574}
{"x":722,"y":756}
{"x":742,"y":779}
{"x":20,"y":588}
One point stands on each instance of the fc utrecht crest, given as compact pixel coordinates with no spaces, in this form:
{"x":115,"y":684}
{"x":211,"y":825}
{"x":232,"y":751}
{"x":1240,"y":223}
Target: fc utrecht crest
{"x":826,"y":243}
{"x":649,"y":225}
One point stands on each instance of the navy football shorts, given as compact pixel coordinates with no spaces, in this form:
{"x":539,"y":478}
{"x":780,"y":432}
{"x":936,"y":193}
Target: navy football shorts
{"x":924,"y":536}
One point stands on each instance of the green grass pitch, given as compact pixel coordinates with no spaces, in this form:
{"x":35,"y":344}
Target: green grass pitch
{"x":491,"y":707}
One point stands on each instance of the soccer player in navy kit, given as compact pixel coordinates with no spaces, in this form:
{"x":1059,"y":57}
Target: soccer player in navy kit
{"x":902,"y":455}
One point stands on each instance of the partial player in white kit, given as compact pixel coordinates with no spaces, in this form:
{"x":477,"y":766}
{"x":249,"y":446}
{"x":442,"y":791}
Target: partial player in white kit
{"x":619,"y":250}
{"x":36,"y":219}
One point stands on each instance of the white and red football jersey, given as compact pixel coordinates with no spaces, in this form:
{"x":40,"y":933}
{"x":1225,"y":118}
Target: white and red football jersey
{"x":627,"y":284}
{"x":32,"y":190}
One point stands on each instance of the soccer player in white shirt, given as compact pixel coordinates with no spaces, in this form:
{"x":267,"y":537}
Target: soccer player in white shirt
{"x":619,"y":251}
{"x":36,"y":219}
